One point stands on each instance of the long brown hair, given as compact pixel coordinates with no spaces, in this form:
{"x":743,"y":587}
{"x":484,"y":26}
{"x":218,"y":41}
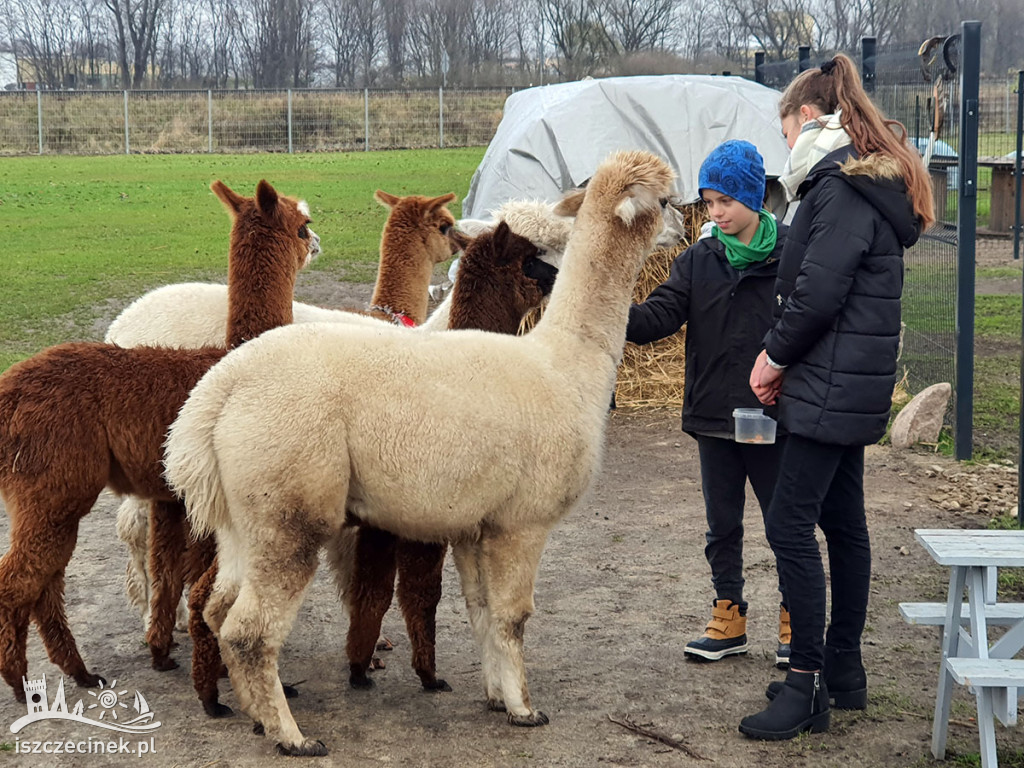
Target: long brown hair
{"x":836,"y":86}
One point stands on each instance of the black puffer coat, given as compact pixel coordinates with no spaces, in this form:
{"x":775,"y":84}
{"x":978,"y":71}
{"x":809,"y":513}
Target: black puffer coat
{"x":727,"y":312}
{"x":838,"y":299}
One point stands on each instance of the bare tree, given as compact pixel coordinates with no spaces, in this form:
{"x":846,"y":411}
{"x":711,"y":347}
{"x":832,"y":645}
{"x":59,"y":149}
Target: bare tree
{"x":274,"y":39}
{"x":135,"y":25}
{"x":779,"y":26}
{"x":577,"y":32}
{"x":638,"y":25}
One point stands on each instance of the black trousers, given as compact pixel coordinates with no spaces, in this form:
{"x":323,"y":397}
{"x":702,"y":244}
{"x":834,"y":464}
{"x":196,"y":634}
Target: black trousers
{"x":821,"y":485}
{"x":725,"y":466}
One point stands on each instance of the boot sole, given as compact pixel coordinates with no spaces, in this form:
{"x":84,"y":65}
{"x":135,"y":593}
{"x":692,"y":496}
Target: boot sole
{"x":819,"y":723}
{"x":842,"y":700}
{"x":701,"y":654}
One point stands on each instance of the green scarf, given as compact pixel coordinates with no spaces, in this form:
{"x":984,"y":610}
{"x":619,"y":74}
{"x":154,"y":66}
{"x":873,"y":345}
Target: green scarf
{"x":761,"y":244}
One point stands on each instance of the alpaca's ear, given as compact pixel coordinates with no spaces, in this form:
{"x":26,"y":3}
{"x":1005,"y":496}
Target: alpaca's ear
{"x":231,"y":199}
{"x":439,"y":202}
{"x":639,"y":198}
{"x":382,"y":197}
{"x":570,"y":203}
{"x":266,"y":197}
{"x":499,"y":241}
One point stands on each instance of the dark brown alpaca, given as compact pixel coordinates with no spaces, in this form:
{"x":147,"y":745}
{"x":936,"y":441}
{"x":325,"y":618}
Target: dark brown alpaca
{"x":418,"y":235}
{"x":80,"y":417}
{"x":500,"y":279}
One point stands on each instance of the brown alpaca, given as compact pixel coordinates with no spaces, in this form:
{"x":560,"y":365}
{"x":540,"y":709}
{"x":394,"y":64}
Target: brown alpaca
{"x":500,"y":279}
{"x":83,"y":416}
{"x":418,"y":234}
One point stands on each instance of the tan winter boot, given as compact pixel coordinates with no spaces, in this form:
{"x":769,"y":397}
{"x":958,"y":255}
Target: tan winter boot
{"x":785,"y":638}
{"x":725,"y":634}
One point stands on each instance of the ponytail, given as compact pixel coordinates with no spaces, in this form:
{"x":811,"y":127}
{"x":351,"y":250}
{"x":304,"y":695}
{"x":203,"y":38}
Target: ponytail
{"x":836,"y":86}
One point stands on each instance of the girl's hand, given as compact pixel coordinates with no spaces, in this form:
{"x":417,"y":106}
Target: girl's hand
{"x":765,"y":381}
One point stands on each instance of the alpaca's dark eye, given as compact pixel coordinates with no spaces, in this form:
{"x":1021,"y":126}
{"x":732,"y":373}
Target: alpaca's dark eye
{"x":445,"y":228}
{"x":303,"y":232}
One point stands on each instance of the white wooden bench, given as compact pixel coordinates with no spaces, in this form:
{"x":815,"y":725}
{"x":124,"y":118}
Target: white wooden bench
{"x":995,"y":683}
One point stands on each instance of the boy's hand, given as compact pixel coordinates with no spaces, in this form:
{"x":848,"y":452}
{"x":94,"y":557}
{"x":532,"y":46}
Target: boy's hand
{"x":765,"y":381}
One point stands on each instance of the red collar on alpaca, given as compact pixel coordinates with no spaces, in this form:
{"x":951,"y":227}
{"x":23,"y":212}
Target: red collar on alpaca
{"x":398,"y":318}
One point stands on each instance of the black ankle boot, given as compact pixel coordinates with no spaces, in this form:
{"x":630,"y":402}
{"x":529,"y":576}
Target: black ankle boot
{"x":800,"y":705}
{"x":845,"y":679}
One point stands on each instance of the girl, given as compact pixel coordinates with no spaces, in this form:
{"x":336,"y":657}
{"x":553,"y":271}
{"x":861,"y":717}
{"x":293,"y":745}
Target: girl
{"x":830,"y":360}
{"x":722,"y":288}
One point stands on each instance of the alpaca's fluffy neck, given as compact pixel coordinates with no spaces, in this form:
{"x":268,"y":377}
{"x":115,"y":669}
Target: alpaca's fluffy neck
{"x":261,"y":286}
{"x":475,"y":305}
{"x":404,"y":274}
{"x":586,"y":316}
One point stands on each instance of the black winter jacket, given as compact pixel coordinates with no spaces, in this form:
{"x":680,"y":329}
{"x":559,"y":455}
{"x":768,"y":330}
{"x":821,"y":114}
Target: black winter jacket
{"x":838,"y":299}
{"x":727,"y":312}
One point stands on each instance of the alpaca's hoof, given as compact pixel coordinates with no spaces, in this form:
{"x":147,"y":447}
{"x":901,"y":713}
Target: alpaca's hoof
{"x":532,"y":720}
{"x":376,"y":663}
{"x":496,"y":705}
{"x":308,"y":748}
{"x":436,"y":686}
{"x":360,"y":682}
{"x":258,"y":728}
{"x":384,"y":644}
{"x":290,"y":691}
{"x":89,"y":680}
{"x":217,"y":710}
{"x":164,"y":663}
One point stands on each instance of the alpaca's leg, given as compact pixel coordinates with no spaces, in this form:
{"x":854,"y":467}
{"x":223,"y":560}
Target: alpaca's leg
{"x":468,"y":557}
{"x":167,"y":538}
{"x":40,"y":550}
{"x":419,"y":591}
{"x":133,"y":530}
{"x":52,"y":622}
{"x":258,"y":623}
{"x":510,"y":561}
{"x":368,"y":598}
{"x":206,"y":661}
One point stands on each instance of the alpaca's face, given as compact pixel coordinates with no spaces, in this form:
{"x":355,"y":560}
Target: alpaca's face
{"x":515,"y":262}
{"x":673,"y":226}
{"x":423,"y":219}
{"x":298,"y":220}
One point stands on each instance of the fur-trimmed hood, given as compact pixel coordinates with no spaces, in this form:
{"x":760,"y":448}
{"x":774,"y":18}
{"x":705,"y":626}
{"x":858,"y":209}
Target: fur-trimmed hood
{"x":879,"y":179}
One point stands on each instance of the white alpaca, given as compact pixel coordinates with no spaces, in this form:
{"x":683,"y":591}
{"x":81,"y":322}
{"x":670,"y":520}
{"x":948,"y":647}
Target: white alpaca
{"x":488,"y":443}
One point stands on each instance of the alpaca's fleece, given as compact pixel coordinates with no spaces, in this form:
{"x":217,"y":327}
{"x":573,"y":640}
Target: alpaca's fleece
{"x":492,"y":441}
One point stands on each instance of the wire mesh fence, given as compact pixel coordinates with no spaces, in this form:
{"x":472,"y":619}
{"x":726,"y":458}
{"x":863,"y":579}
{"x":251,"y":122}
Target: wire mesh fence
{"x":111,"y":122}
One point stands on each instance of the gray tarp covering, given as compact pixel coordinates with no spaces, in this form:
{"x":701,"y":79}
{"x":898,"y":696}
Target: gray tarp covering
{"x":551,"y":138}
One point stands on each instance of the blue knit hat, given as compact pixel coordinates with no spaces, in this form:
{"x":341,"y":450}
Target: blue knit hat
{"x":736,"y":169}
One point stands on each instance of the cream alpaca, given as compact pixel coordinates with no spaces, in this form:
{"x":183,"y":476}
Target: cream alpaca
{"x":294,"y":429}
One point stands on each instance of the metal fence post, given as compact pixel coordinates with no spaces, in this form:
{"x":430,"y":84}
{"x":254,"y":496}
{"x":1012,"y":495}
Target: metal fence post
{"x":39,"y":116}
{"x":209,"y":121}
{"x":1018,"y":168}
{"x":289,"y":121}
{"x":804,"y":58}
{"x":440,"y":115}
{"x":867,"y":63}
{"x":127,"y":143}
{"x":967,"y":226}
{"x":758,"y":66}
{"x":366,"y":119}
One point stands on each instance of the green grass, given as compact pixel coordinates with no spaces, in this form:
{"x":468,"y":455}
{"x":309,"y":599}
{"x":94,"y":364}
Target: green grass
{"x":80,"y":230}
{"x":997,"y":316}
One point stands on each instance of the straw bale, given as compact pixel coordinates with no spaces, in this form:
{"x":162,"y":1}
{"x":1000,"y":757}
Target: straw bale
{"x":652,"y":375}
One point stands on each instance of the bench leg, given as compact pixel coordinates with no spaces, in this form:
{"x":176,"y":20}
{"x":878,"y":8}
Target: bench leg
{"x":986,"y":728}
{"x":950,"y":643}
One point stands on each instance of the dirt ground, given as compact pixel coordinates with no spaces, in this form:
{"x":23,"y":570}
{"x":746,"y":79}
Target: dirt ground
{"x":622,"y":587}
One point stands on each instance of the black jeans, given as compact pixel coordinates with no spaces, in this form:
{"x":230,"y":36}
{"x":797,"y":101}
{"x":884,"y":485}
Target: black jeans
{"x":821,"y":485}
{"x":725,"y":466}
